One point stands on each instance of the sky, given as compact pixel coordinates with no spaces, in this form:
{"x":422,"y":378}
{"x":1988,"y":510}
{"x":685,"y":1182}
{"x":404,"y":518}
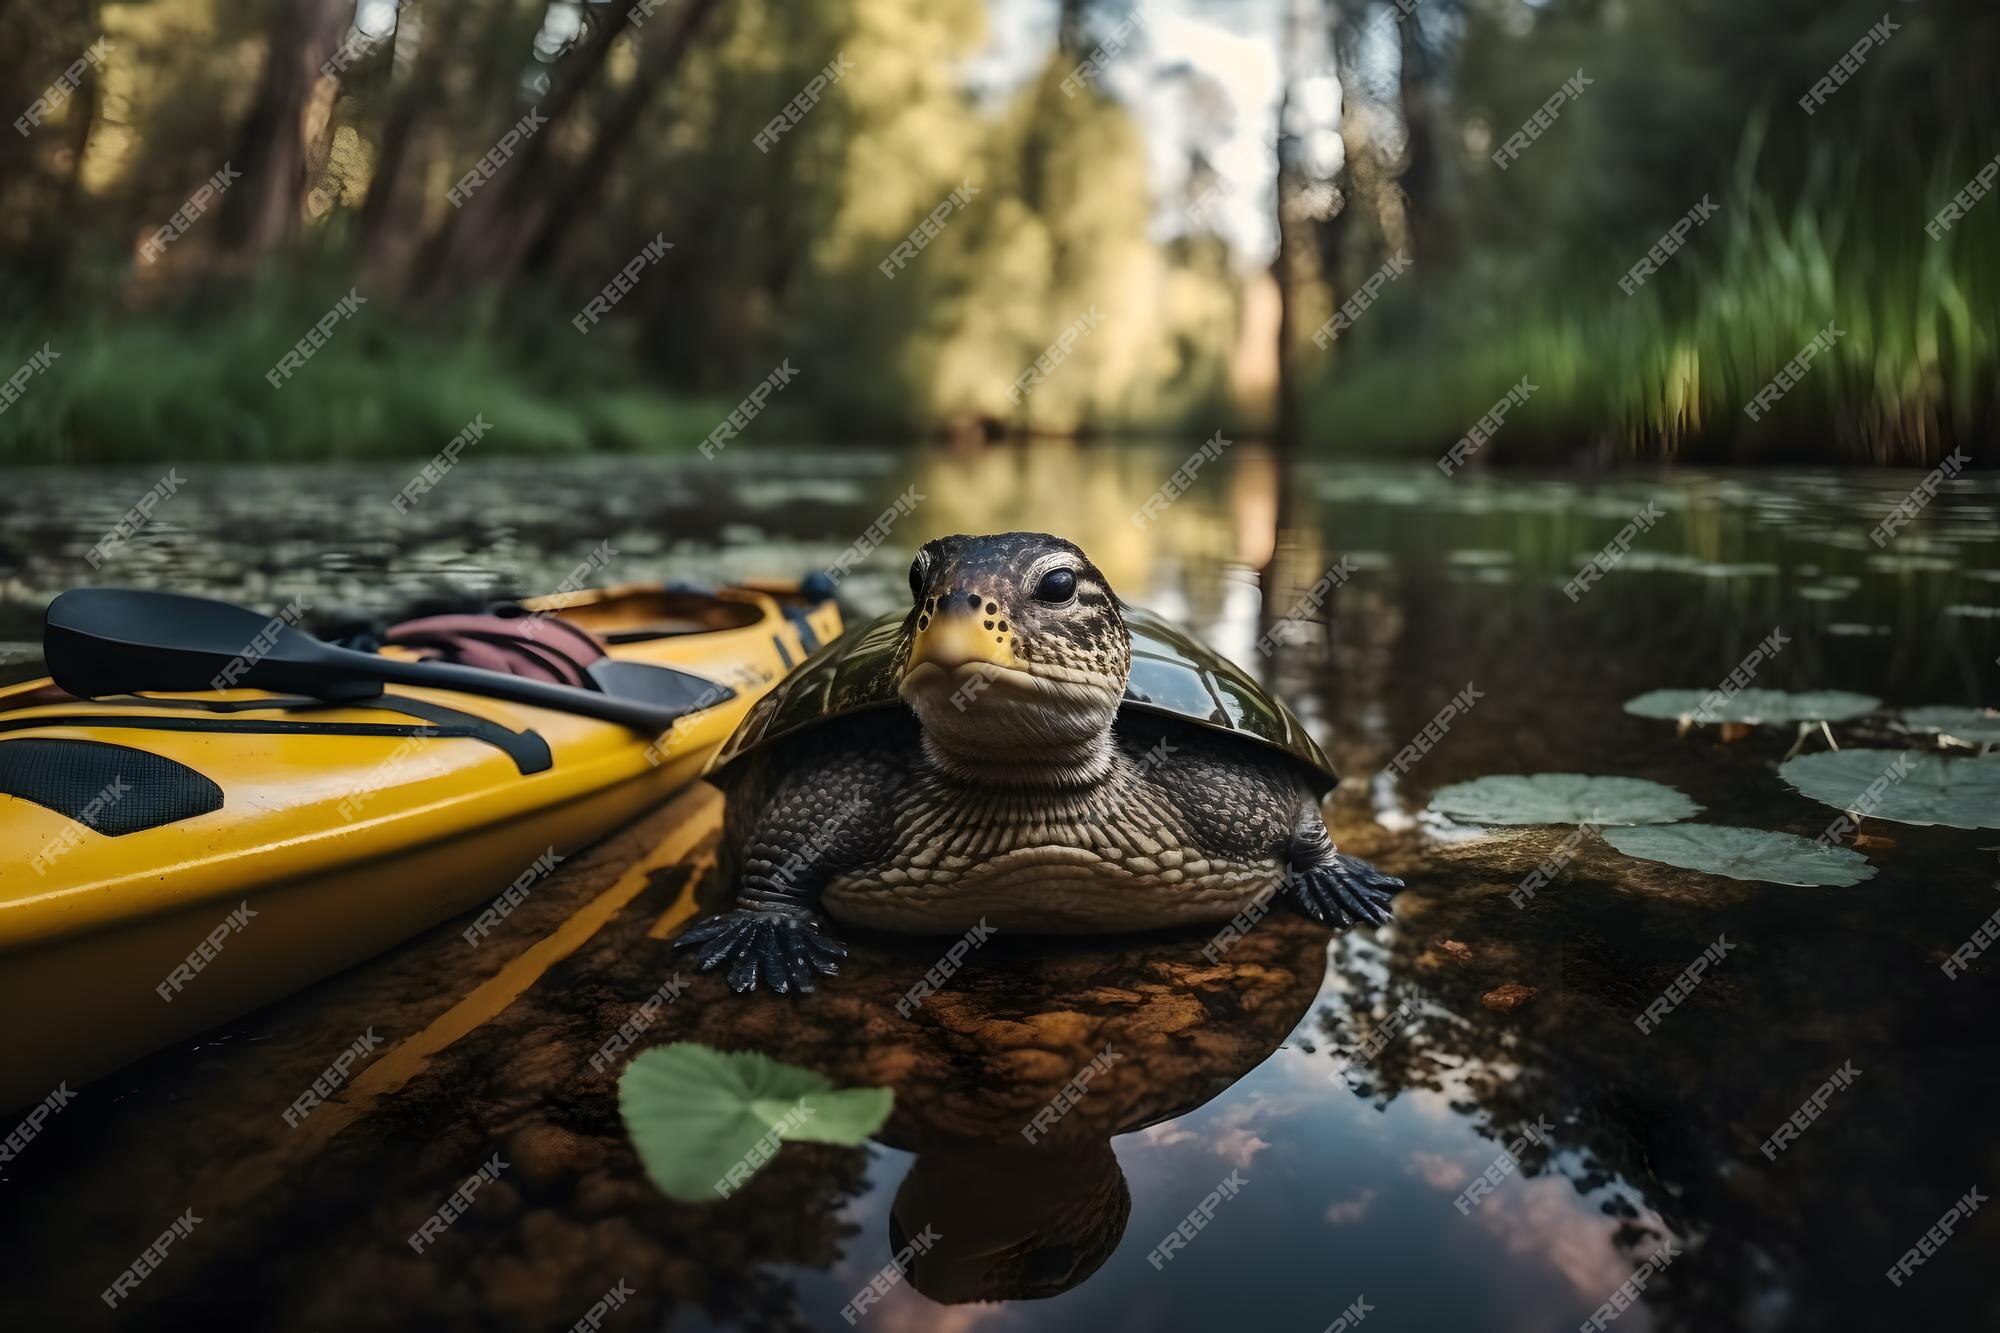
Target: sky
{"x":1232,"y":44}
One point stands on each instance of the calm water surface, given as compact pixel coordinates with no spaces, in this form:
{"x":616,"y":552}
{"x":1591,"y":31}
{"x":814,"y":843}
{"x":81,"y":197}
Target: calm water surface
{"x":1347,"y":1088}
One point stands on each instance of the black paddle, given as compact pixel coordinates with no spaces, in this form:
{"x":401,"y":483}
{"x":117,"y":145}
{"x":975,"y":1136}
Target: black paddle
{"x":102,"y":641}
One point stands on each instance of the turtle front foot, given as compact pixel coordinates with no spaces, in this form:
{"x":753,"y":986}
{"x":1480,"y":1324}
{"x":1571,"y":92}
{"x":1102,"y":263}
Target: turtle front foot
{"x":1343,"y":891}
{"x":783,"y":949}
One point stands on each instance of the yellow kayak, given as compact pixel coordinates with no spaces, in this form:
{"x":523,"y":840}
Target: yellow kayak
{"x":173,"y":861}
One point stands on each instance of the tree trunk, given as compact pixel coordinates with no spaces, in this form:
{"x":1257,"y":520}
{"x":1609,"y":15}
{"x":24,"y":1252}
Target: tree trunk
{"x":419,"y":93}
{"x":261,"y":211}
{"x":485,"y":239}
{"x":580,"y":194}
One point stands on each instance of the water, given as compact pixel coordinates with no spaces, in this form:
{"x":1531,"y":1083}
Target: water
{"x":1355,"y":1085}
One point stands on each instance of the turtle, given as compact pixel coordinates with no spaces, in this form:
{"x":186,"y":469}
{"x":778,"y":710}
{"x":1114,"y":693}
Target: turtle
{"x":1018,"y":751}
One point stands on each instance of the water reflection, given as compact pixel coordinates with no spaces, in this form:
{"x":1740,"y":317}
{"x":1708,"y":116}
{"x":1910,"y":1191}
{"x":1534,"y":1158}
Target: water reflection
{"x":1358,"y":1099}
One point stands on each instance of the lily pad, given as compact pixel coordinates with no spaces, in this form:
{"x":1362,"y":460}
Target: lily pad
{"x":1561,"y":798}
{"x":1973,"y":725}
{"x":1743,"y":853}
{"x":704,"y":1121}
{"x":1753,"y":706}
{"x":1906,"y":786}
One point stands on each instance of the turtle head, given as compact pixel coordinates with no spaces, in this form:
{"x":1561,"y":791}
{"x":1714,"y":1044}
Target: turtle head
{"x":1014,"y":655}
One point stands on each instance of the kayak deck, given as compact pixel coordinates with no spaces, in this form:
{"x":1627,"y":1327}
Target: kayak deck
{"x":305,"y":837}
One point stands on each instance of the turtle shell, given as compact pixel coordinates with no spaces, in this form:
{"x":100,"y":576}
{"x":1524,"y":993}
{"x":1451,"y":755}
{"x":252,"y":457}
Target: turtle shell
{"x":1174,"y":674}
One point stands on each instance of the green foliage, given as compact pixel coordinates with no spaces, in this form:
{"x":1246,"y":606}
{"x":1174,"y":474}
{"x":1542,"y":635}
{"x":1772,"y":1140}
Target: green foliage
{"x":170,"y":388}
{"x":703,"y":1120}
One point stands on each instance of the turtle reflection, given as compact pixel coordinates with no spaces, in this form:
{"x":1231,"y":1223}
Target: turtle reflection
{"x":1167,"y":1029}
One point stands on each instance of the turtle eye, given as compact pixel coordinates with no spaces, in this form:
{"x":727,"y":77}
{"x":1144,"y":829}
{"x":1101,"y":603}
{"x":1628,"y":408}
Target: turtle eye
{"x":917,"y":579}
{"x":1057,"y":586}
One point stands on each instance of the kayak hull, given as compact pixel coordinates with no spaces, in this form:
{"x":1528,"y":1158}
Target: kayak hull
{"x":328,"y":846}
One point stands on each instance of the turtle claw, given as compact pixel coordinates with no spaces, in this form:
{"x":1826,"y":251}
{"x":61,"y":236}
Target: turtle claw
{"x":782,"y":949}
{"x":1343,"y":891}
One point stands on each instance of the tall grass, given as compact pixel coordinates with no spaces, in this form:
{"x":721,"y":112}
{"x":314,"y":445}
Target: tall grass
{"x":163,"y":385}
{"x":1668,"y":370}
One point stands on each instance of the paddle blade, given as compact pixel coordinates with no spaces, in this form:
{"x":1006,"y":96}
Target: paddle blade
{"x":100,"y":641}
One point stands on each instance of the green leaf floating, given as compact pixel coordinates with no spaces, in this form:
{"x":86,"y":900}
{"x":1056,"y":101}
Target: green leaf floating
{"x":1753,"y":706}
{"x":1907,"y":786}
{"x":1561,"y":798}
{"x":696,"y":1115}
{"x":1972,"y":725}
{"x":1743,"y":853}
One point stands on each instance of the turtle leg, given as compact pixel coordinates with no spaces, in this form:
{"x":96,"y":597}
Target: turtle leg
{"x":786,"y":844}
{"x":784,"y":947}
{"x":1333,"y":889}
